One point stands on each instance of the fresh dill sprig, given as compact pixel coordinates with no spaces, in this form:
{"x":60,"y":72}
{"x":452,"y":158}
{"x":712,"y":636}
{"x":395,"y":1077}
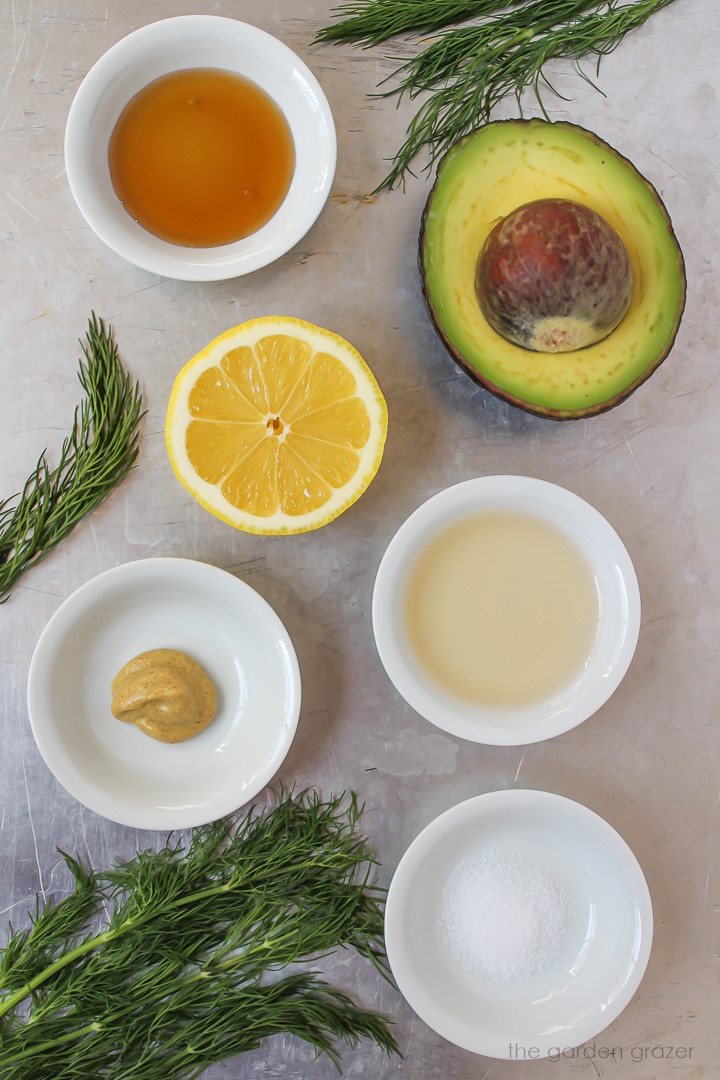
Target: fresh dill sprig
{"x":187,"y":970}
{"x":370,"y":22}
{"x":466,"y":70}
{"x":97,"y":454}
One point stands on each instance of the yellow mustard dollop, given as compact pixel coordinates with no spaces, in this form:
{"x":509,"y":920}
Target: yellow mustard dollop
{"x":166,"y":694}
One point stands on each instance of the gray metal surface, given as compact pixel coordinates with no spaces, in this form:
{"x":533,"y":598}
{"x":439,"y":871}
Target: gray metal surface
{"x":648,"y":761}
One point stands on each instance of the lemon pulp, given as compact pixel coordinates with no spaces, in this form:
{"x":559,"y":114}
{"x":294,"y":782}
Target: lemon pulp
{"x":277,"y":426}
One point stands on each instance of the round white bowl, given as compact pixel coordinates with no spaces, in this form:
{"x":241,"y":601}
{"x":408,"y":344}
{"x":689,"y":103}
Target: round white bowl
{"x":195,"y":41}
{"x":618,"y":602}
{"x":112,"y":767}
{"x":606,"y":948}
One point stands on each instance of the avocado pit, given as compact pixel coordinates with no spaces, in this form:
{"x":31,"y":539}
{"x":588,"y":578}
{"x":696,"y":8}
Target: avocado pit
{"x":554,"y":276}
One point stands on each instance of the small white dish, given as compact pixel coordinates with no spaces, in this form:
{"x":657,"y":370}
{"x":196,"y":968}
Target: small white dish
{"x":112,"y":767}
{"x":196,"y":41}
{"x":606,"y":948}
{"x":618,"y":604}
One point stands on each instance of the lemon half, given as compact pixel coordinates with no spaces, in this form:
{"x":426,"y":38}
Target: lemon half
{"x":277,"y":426}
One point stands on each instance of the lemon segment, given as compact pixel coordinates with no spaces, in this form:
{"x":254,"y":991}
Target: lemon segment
{"x":215,"y":397}
{"x":277,"y":426}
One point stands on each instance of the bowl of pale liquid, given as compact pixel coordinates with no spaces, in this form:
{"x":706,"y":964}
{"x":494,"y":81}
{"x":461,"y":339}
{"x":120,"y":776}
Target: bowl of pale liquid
{"x":506,"y":610}
{"x":200,"y":148}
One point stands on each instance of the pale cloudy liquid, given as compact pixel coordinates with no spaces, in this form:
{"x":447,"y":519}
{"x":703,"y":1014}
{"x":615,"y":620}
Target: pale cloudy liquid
{"x":501,"y":609}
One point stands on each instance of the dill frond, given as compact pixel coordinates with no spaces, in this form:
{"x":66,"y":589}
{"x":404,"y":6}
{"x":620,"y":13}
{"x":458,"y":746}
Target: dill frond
{"x":97,"y":454}
{"x":465,"y":70}
{"x":189,"y":967}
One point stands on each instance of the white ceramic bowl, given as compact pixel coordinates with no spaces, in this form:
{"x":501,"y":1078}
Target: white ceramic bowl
{"x":192,"y":41}
{"x":606,"y":948}
{"x":618,"y":601}
{"x":112,"y":767}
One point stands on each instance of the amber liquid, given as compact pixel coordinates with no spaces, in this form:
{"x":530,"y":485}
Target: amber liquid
{"x":201,"y":157}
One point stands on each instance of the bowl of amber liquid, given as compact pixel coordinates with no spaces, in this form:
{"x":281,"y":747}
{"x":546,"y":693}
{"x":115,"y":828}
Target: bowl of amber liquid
{"x":200,"y":148}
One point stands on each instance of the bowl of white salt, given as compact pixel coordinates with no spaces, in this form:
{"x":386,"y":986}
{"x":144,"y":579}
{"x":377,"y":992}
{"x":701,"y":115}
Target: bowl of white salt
{"x":518,"y":924}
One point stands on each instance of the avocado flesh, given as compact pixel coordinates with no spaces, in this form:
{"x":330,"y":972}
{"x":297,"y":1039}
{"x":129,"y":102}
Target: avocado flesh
{"x":486,"y":176}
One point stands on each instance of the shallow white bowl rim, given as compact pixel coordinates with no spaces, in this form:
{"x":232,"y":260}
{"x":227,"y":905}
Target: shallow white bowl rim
{"x":187,"y":41}
{"x":618,"y":594}
{"x":228,"y":775}
{"x":480,"y":815}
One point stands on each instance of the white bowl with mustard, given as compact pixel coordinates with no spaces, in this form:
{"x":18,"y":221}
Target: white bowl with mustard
{"x":140,"y":640}
{"x":506,"y":610}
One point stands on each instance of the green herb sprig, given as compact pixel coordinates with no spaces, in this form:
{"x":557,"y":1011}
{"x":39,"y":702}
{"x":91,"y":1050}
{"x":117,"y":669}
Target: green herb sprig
{"x":467,"y":70}
{"x":187,"y":969}
{"x":97,"y":454}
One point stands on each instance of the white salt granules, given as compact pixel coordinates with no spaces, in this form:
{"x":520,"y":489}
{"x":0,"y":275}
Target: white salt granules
{"x":504,"y":914}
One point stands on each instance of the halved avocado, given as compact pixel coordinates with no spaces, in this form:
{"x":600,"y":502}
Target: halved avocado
{"x":483,"y":178}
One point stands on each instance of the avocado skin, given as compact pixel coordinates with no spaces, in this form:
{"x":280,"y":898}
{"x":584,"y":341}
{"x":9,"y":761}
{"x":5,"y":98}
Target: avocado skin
{"x":481,"y":378}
